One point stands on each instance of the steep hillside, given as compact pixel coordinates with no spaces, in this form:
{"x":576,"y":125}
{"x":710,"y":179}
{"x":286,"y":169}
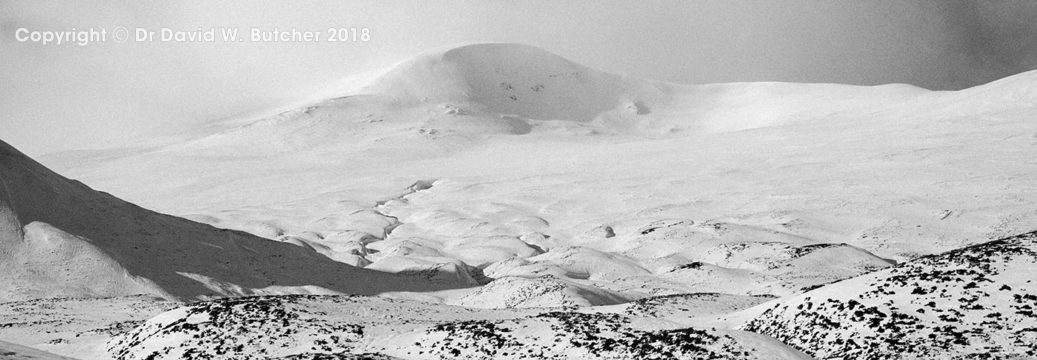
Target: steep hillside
{"x":60,"y":238}
{"x":976,"y":302}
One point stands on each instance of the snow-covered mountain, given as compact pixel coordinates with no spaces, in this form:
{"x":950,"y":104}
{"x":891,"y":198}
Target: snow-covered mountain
{"x":494,"y":185}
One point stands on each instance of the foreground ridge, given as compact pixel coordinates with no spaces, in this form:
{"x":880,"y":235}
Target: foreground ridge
{"x":974,"y":302}
{"x":343,"y":327}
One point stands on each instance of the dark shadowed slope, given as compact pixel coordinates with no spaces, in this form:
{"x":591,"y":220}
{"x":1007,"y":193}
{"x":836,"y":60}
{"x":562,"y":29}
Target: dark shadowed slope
{"x":58,"y":237}
{"x":9,"y":351}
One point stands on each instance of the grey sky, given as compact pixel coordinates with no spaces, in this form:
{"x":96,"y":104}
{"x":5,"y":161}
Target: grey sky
{"x":65,"y":97}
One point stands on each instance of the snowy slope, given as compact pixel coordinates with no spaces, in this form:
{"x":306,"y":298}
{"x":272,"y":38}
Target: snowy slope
{"x":75,"y":327}
{"x":60,"y":238}
{"x":976,"y":302}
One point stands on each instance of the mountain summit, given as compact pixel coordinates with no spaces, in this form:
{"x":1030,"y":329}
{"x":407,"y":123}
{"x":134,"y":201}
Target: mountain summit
{"x":511,"y":79}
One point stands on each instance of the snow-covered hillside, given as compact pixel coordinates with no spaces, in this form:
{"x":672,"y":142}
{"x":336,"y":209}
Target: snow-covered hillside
{"x":976,"y":302}
{"x":60,"y":238}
